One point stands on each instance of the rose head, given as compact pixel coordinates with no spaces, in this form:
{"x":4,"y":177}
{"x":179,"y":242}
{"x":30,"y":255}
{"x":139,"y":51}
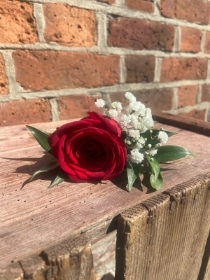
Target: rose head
{"x":89,"y":149}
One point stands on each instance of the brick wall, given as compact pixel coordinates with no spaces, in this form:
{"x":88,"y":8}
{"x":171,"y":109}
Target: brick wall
{"x":56,"y":57}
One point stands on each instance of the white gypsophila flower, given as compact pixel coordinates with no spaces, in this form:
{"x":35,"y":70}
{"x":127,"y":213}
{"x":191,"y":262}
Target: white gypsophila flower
{"x":152,"y":152}
{"x":140,"y":143}
{"x":134,"y":133}
{"x":147,"y":121}
{"x":113,"y":113}
{"x":134,"y":121}
{"x":137,"y":106}
{"x":141,"y":127}
{"x":141,"y":111}
{"x":163,"y":137}
{"x":130,"y":96}
{"x":136,"y":157}
{"x":125,"y":120}
{"x":100,"y":103}
{"x":117,"y":105}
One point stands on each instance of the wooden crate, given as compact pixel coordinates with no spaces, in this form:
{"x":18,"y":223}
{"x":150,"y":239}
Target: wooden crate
{"x":47,"y":233}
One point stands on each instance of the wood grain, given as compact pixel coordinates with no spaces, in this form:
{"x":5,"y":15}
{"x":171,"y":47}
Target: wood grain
{"x":35,"y":218}
{"x":165,"y":236}
{"x":70,"y":260}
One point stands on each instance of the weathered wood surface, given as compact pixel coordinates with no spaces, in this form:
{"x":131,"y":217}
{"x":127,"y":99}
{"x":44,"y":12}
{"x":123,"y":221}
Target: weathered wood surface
{"x":104,"y":257}
{"x":70,"y":260}
{"x":165,"y":236}
{"x":36,"y":217}
{"x":205,"y":266}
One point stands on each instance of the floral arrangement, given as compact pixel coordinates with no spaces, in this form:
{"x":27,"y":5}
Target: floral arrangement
{"x":100,"y":147}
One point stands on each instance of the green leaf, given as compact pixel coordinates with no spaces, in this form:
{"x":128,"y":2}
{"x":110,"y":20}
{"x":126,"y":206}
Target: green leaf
{"x":46,"y":168}
{"x":156,"y":179}
{"x":155,"y":168}
{"x":58,"y":179}
{"x":156,"y":182}
{"x":170,"y":153}
{"x":169,"y":133}
{"x":133,"y":171}
{"x":41,"y":137}
{"x":151,"y":136}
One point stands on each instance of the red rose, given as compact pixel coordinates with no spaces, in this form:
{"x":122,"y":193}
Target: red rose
{"x":89,"y":149}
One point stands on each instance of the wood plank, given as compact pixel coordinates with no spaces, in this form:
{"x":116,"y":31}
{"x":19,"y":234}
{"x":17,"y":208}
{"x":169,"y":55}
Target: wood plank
{"x":187,"y":123}
{"x":70,"y":260}
{"x":204,"y":273}
{"x":165,"y":236}
{"x":12,"y":272}
{"x":36,"y":217}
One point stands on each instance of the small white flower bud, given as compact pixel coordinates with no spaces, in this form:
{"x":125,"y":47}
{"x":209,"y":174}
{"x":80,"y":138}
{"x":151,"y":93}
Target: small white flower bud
{"x":117,"y":106}
{"x":130,"y":96}
{"x":163,"y":137}
{"x":100,"y":103}
{"x":136,"y":157}
{"x":113,"y":113}
{"x":153,"y":152}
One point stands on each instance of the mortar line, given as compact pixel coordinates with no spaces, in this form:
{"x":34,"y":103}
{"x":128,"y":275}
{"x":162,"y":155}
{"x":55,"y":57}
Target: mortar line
{"x":40,"y":20}
{"x":122,"y":11}
{"x":199,"y":94}
{"x":10,"y":72}
{"x":177,"y":39}
{"x":101,"y":32}
{"x":157,"y":71}
{"x":105,"y":90}
{"x":199,"y":107}
{"x":104,"y":50}
{"x":54,"y":109}
{"x":175,"y":99}
{"x":120,"y":3}
{"x":203,"y":41}
{"x":122,"y":70}
{"x":156,"y":6}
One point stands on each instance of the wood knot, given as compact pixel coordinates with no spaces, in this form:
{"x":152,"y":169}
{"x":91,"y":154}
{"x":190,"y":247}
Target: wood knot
{"x":173,"y":205}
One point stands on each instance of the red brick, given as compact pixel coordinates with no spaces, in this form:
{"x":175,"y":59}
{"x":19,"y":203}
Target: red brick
{"x":107,"y":1}
{"x":139,"y":68}
{"x":187,"y":95}
{"x":190,"y":40}
{"x":174,"y":69}
{"x":207,"y":42}
{"x":189,"y":10}
{"x":76,"y":106}
{"x":140,"y":34}
{"x":196,"y":114}
{"x":141,"y":5}
{"x":17,"y":23}
{"x":3,"y":79}
{"x":69,"y":26}
{"x":39,"y":70}
{"x":24,"y":111}
{"x":205,"y":93}
{"x":155,"y":99}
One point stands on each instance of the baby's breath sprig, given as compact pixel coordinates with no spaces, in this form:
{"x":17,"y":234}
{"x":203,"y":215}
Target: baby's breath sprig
{"x":143,"y":142}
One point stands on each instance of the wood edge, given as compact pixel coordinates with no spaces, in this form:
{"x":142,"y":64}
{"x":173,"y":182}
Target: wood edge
{"x":146,"y":212}
{"x":178,"y":192}
{"x":187,"y":123}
